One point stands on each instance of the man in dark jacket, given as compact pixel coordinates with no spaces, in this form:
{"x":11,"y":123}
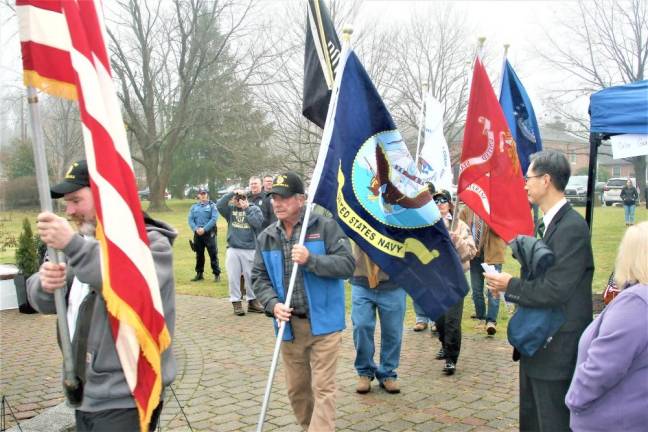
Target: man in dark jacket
{"x":567,"y":284}
{"x":261,"y":199}
{"x":316,"y":314}
{"x":107,"y":402}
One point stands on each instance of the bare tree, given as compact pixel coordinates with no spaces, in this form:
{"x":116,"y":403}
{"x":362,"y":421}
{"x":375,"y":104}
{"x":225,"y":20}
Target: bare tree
{"x":160,"y":57}
{"x":608,"y":45}
{"x":434,"y":50}
{"x":296,"y":139}
{"x":62,"y":133}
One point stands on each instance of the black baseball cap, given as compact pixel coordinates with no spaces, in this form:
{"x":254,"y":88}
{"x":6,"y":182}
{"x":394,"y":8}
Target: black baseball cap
{"x":203,"y":190}
{"x":443,"y":193}
{"x":287,"y":185}
{"x":76,"y":177}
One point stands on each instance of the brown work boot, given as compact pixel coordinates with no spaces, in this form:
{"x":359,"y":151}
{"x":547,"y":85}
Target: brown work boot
{"x":390,"y":385}
{"x":364,"y":385}
{"x":238,"y":309}
{"x":255,"y":306}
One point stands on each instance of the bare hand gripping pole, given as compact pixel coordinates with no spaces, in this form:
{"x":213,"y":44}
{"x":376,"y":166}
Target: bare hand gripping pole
{"x":317,"y":173}
{"x":70,"y":380}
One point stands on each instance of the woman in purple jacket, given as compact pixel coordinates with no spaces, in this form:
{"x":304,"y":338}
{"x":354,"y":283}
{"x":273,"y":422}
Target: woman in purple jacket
{"x":609,"y":390}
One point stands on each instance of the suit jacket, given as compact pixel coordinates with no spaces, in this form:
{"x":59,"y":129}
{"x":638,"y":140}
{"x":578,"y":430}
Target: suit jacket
{"x":566,"y":284}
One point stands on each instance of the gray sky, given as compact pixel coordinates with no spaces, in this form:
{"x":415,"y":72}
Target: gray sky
{"x":519,"y":23}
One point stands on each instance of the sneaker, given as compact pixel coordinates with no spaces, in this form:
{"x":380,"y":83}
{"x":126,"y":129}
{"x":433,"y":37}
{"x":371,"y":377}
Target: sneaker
{"x":217,"y":278}
{"x":238,"y":309}
{"x":364,"y":385}
{"x":255,"y":306}
{"x":198,"y":277}
{"x":490,"y":328}
{"x":420,"y":326}
{"x":450,"y":367}
{"x":441,"y":355}
{"x":433,"y":327}
{"x":390,"y":385}
{"x":475,"y":317}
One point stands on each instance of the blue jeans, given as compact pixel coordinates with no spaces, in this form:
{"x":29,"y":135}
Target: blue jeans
{"x":390,"y":305}
{"x":629,"y":213}
{"x":420,"y":314}
{"x":477,"y":286}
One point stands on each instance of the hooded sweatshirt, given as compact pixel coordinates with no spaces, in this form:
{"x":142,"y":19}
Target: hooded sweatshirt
{"x":105,"y":384}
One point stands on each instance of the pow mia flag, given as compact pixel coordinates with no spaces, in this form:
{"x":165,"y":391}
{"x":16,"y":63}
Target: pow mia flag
{"x":321,"y":57}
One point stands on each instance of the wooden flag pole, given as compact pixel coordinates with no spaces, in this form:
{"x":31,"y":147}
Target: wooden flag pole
{"x":70,"y":380}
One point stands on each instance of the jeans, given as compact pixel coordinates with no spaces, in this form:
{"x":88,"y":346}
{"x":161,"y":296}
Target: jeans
{"x":390,"y":306}
{"x":629,"y":213}
{"x":420,"y":314}
{"x":477,"y":286}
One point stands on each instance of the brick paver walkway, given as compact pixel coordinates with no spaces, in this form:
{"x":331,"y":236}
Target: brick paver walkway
{"x":223,"y":361}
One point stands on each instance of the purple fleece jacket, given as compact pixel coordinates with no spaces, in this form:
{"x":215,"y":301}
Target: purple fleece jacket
{"x":609,"y":390}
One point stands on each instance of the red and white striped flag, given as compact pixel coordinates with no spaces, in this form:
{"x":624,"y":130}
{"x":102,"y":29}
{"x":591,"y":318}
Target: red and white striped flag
{"x":64,"y":54}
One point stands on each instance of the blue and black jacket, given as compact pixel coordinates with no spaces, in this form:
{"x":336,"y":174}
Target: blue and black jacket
{"x":329,"y":263}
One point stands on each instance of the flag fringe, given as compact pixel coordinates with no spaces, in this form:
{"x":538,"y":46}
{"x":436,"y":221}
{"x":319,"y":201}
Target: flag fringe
{"x":150,"y":347}
{"x":50,"y":86}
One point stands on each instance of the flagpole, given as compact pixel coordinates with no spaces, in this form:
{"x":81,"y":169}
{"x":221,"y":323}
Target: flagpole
{"x":70,"y":381}
{"x":424,"y":87}
{"x":501,"y":77}
{"x":317,"y":173}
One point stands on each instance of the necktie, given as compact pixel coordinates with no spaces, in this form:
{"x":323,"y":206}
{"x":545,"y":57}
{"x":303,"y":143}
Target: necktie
{"x":541,"y":229}
{"x":478,"y":230}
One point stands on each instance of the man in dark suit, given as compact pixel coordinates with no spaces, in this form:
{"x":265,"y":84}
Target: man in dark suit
{"x":545,"y":377}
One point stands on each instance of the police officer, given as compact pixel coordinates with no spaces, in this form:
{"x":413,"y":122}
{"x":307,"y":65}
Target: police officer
{"x":202,"y":221}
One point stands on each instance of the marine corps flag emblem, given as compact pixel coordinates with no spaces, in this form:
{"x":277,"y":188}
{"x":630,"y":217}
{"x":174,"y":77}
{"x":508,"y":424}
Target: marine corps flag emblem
{"x":321,"y":58}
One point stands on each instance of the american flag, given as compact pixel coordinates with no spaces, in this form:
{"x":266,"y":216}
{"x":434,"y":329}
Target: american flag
{"x":64,"y":54}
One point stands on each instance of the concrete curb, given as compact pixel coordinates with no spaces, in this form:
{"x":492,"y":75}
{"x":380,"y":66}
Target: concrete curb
{"x":59,"y":418}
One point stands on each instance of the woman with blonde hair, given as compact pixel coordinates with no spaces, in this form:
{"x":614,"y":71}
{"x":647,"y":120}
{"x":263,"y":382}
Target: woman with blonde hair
{"x":609,"y":390}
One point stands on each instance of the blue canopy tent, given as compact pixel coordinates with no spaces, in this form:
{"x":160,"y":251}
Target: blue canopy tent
{"x":614,"y":110}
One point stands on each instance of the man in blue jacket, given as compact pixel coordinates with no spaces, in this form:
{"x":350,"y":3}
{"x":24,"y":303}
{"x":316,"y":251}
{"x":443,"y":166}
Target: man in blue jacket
{"x":316,"y":313}
{"x":202,"y":221}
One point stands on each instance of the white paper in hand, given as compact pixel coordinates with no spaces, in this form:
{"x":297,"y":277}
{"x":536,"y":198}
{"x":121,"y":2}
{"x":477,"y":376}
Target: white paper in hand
{"x":488,"y":268}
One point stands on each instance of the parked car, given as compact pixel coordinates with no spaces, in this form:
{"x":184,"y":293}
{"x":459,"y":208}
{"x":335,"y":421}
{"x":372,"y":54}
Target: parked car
{"x":612,"y":189}
{"x":144,"y":194}
{"x":576,"y":190}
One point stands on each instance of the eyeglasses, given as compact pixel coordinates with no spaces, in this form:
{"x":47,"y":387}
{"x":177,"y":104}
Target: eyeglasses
{"x":440,"y":201}
{"x":526,"y":178}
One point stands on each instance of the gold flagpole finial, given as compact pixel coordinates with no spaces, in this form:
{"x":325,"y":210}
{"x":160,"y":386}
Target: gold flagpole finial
{"x":347,"y":31}
{"x":481,"y":40}
{"x":506,"y":47}
{"x":425,"y":86}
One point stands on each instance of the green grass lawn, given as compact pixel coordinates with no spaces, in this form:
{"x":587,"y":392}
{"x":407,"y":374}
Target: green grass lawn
{"x":607,"y":232}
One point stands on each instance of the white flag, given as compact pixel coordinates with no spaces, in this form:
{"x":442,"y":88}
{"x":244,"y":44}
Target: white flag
{"x":434,"y":160}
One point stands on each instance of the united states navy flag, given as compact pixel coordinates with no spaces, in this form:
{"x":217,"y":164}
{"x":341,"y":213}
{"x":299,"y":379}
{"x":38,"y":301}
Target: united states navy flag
{"x":370,"y":182}
{"x":519,"y":115}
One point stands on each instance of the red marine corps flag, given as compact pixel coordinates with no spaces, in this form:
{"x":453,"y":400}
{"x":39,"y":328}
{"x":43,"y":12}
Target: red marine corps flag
{"x":64,"y":54}
{"x":490,"y":178}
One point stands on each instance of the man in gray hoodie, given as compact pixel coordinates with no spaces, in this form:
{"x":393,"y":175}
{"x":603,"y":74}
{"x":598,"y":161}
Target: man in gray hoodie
{"x":107,"y":403}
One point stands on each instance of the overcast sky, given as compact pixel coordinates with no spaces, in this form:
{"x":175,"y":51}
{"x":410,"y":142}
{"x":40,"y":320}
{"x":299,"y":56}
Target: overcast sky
{"x":519,"y":23}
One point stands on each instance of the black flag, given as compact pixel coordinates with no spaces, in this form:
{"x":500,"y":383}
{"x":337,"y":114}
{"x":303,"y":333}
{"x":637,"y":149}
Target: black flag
{"x":320,"y":61}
